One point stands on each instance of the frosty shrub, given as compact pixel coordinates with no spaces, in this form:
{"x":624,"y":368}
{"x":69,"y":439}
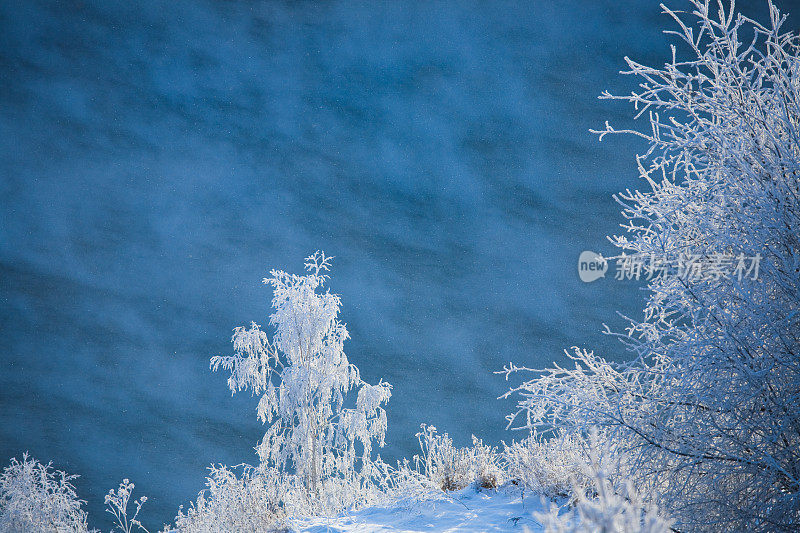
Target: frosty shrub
{"x":550,"y":467}
{"x":117,"y":504}
{"x":303,"y":377}
{"x":404,"y":487}
{"x":708,"y":407}
{"x":33,"y":497}
{"x":452,"y":468}
{"x":489,"y":470}
{"x":250,"y":501}
{"x":606,"y":502}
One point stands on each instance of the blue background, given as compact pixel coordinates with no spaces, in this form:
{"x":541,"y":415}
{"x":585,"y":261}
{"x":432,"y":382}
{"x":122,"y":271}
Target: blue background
{"x":158,"y":158}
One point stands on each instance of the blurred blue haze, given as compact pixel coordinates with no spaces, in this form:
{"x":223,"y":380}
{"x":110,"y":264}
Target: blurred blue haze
{"x":158,"y":158}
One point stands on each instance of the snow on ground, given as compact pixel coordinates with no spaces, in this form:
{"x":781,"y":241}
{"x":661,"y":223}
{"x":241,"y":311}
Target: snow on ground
{"x":470,"y":509}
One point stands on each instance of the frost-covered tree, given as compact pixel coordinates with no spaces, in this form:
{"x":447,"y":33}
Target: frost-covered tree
{"x":709,"y":406}
{"x":303,"y":377}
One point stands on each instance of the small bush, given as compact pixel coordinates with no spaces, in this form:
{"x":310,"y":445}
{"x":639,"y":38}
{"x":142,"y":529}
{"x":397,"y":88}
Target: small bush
{"x":605,"y":501}
{"x":549,"y":467}
{"x":252,"y":501}
{"x":33,"y":497}
{"x":609,"y":511}
{"x":117,"y":504}
{"x":452,"y":468}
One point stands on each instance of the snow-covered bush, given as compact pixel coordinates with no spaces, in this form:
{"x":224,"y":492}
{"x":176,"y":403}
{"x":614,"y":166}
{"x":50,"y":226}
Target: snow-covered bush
{"x":452,"y":468}
{"x":404,"y":486}
{"x":550,"y":467}
{"x":607,"y":512}
{"x":304,"y":377}
{"x":606,"y":502}
{"x":250,"y":501}
{"x":489,"y":469}
{"x":709,"y":407}
{"x":117,"y":504}
{"x":33,"y":497}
